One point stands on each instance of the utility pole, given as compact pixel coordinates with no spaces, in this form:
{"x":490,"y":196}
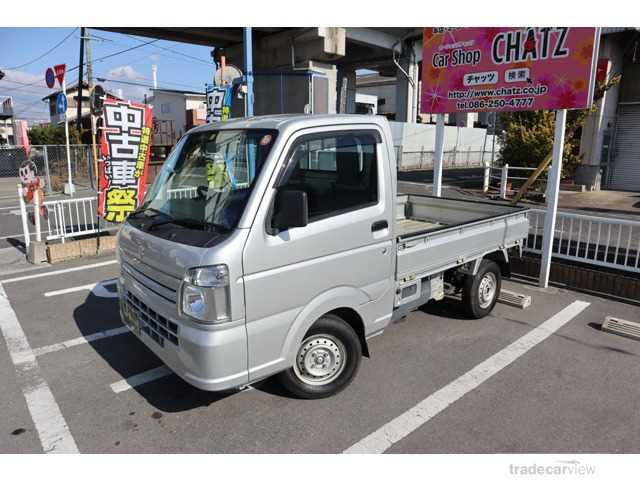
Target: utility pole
{"x":89,"y":57}
{"x":80,"y":77}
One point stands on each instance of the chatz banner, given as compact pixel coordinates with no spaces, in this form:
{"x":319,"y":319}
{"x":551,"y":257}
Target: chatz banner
{"x":508,"y":68}
{"x":125,"y":147}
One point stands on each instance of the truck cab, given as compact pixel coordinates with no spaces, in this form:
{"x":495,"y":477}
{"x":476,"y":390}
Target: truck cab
{"x":271,"y":245}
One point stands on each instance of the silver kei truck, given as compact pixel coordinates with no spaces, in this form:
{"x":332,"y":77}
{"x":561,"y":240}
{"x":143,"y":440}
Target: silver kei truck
{"x":279,"y":245}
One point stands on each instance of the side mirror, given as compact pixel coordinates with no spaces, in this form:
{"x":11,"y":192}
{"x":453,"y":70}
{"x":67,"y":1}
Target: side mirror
{"x":291,"y":209}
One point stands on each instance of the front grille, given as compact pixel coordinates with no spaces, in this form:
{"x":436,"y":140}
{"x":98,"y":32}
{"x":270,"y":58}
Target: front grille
{"x":152,"y":284}
{"x":157,"y":327}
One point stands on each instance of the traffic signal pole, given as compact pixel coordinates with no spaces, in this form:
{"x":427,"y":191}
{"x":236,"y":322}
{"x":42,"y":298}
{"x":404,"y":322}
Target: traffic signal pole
{"x":71,"y":190}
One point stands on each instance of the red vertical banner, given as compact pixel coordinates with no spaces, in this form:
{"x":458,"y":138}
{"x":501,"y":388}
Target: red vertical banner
{"x":124,"y":149}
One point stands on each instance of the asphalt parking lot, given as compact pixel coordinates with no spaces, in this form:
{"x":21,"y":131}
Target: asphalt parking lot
{"x":544,"y":379}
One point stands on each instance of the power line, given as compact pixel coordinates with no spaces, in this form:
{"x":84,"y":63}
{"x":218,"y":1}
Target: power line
{"x":45,"y":53}
{"x":139,"y":84}
{"x":186,"y":55}
{"x":26,"y":84}
{"x":187,"y":58}
{"x":116,"y":53}
{"x":96,"y":60}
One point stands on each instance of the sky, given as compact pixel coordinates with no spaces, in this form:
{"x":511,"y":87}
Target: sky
{"x":180,"y":65}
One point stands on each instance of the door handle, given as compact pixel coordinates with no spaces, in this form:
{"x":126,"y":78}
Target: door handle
{"x":379,"y":225}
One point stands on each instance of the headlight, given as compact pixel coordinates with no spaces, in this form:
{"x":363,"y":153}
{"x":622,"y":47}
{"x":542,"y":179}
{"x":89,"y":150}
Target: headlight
{"x":205,"y":294}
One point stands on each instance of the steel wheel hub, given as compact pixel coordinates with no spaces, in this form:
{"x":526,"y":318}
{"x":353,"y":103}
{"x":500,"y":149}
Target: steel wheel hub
{"x":487,"y":289}
{"x":320,"y":359}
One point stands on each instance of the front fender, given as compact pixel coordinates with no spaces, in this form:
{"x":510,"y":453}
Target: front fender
{"x":338,"y":297}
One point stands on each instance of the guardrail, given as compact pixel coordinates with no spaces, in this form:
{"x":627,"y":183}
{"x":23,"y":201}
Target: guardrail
{"x":71,"y":218}
{"x":602,"y":241}
{"x":65,"y":218}
{"x":505,"y":177}
{"x":182,"y":193}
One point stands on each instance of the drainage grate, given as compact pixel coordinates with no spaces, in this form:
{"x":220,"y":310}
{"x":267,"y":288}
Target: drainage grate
{"x":514,"y":299}
{"x":622,"y":327}
{"x":152,"y":324}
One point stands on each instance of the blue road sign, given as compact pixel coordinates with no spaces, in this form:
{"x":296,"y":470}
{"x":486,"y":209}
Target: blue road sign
{"x":61,"y":103}
{"x":50,"y":77}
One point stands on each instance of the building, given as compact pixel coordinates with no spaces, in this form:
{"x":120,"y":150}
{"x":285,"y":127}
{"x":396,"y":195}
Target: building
{"x":181,"y":109}
{"x":7,"y":136}
{"x":610,"y":140}
{"x":383,"y":88}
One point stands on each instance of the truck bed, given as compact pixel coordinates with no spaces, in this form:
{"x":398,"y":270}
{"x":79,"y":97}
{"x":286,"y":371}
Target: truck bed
{"x":434,"y":234}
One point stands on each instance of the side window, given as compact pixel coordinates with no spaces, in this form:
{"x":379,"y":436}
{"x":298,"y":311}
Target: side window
{"x":339,"y":172}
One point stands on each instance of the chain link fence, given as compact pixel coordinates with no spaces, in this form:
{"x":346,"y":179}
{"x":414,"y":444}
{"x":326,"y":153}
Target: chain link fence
{"x":51,"y":162}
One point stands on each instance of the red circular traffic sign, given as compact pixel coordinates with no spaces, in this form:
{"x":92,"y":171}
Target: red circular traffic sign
{"x":50,"y":77}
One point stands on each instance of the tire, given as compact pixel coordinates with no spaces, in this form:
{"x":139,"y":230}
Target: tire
{"x":477,"y":299}
{"x":330,"y":340}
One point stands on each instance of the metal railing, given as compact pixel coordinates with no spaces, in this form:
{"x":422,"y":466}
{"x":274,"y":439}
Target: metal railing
{"x":182,"y":193}
{"x":602,"y":241}
{"x":64,"y":218}
{"x":456,"y":158}
{"x":69,"y":218}
{"x":501,"y":180}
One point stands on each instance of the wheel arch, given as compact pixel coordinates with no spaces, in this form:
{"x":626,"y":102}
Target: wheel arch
{"x":341,"y":301}
{"x":501,"y":257}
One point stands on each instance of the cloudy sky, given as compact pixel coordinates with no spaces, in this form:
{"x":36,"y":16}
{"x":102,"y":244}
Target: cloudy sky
{"x":27,"y":52}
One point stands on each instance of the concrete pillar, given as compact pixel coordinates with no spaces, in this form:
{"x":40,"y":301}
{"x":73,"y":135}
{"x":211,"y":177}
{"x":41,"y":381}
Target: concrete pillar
{"x":346,"y":90}
{"x":603,"y":119}
{"x":407,"y":94}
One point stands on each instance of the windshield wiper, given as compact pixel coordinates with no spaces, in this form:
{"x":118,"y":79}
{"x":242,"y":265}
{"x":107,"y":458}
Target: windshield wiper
{"x":140,"y":211}
{"x":185,"y":222}
{"x":219,"y":226}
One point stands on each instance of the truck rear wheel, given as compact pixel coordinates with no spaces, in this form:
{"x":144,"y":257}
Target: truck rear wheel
{"x":326,"y":362}
{"x":480,"y":292}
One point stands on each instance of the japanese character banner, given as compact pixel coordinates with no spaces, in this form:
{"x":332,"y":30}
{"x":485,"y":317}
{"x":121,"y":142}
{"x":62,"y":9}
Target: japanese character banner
{"x":125,"y":149}
{"x":507,"y":69}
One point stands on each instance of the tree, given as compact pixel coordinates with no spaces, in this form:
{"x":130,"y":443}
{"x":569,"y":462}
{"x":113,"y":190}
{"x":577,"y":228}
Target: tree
{"x":527,"y":137}
{"x":46,"y":135}
{"x":51,"y":135}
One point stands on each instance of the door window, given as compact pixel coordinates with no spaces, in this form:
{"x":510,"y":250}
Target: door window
{"x":339,"y":172}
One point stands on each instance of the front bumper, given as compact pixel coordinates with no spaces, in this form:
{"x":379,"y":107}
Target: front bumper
{"x":210,"y":359}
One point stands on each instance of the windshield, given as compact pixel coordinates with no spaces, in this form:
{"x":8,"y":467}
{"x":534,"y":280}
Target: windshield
{"x":206,"y":181}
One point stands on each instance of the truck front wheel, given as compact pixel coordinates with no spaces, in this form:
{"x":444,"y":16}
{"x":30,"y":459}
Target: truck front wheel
{"x":480,"y":291}
{"x":327,"y":360}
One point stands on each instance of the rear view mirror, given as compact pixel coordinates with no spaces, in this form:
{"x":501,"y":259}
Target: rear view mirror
{"x":291,"y":209}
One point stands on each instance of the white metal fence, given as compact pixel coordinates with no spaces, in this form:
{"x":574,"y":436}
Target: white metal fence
{"x":603,"y":241}
{"x":63,"y":218}
{"x":71,"y":217}
{"x":505,"y":179}
{"x":182,"y":193}
{"x":457,"y":158}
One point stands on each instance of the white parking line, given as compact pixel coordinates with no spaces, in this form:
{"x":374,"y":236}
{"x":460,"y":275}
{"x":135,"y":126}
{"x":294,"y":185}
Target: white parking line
{"x":51,"y":426}
{"x":80,"y":341}
{"x":56,"y":272}
{"x":55,"y":293}
{"x":140,"y":378}
{"x":98,"y":286}
{"x":401,"y":426}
